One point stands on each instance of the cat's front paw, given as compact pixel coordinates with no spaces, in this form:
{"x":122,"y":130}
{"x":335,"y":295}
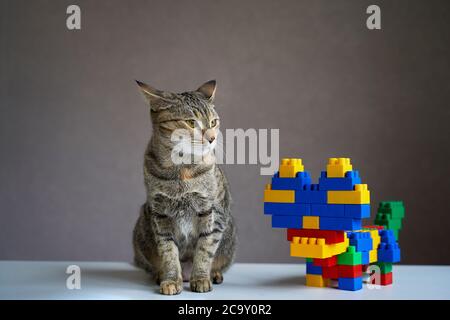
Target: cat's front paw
{"x":170,"y":287}
{"x":217,"y":277}
{"x":201,"y":285}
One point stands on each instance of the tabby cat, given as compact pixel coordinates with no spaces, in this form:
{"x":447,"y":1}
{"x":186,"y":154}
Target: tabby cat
{"x":185,"y":231}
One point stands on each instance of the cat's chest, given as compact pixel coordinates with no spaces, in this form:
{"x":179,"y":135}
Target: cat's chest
{"x":188,"y":204}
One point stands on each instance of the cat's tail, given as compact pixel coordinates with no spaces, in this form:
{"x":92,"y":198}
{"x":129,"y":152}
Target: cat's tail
{"x":390,"y":215}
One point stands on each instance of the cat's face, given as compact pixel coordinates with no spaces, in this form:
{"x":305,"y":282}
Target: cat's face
{"x":187,"y":122}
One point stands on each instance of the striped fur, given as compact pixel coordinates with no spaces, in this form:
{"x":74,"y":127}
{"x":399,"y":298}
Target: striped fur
{"x":185,"y":227}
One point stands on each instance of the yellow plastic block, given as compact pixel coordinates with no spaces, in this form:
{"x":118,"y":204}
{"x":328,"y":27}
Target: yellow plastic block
{"x":316,"y":248}
{"x":316,"y":280}
{"x":337,"y":167}
{"x":310,"y":222}
{"x":284,"y":196}
{"x":290,"y":166}
{"x":373,"y":256}
{"x":375,"y":238}
{"x":361,"y":195}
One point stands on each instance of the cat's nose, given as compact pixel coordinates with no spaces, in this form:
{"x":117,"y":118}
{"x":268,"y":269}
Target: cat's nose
{"x":211,"y":139}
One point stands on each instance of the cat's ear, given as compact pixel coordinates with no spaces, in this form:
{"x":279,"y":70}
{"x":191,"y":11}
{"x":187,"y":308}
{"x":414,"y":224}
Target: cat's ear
{"x":157,"y":99}
{"x":208,"y":90}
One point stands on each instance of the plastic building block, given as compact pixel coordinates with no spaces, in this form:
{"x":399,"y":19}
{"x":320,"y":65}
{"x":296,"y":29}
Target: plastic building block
{"x":394,"y":209}
{"x":357,"y":211}
{"x":286,"y":222}
{"x":374,"y":227}
{"x":360,"y":195}
{"x":337,"y":167}
{"x":350,"y":284}
{"x":362,"y":241}
{"x":287,"y":209}
{"x":311,"y":195}
{"x":388,"y":252}
{"x":316,"y":248}
{"x":365,"y":258}
{"x":310,"y":222}
{"x":302,"y":179}
{"x":386,"y":279}
{"x":331,"y":272}
{"x":327,"y":262}
{"x":315,"y":280}
{"x":387,"y":236}
{"x":373,"y":256}
{"x":329,"y":235}
{"x":286,"y":196}
{"x":346,"y":183}
{"x":289,"y":167}
{"x":329,"y":223}
{"x":312,"y":269}
{"x":350,"y":257}
{"x":374,"y":234}
{"x":384,"y":220}
{"x":324,"y":224}
{"x":346,"y":271}
{"x":385,"y":267}
{"x":328,"y":210}
{"x":390,"y":214}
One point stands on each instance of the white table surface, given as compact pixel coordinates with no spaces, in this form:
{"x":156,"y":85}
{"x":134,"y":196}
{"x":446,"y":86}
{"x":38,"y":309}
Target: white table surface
{"x":120,"y":280}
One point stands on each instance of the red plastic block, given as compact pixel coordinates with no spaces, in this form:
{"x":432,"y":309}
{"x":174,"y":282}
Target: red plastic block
{"x":327,"y":262}
{"x":374,"y":227}
{"x":386,"y":279}
{"x":330,"y":272}
{"x":330,"y":236}
{"x":365,"y":267}
{"x":350,"y":271}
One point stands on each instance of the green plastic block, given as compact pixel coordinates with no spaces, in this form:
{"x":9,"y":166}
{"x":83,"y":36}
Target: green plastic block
{"x":383,"y":219}
{"x":309,"y":259}
{"x":350,"y":258}
{"x":394,"y":209}
{"x":385,"y":267}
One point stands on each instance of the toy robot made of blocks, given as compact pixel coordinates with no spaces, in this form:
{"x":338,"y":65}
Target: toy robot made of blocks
{"x":324,"y":224}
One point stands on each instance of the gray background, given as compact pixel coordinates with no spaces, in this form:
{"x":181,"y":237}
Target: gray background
{"x":73,"y":126}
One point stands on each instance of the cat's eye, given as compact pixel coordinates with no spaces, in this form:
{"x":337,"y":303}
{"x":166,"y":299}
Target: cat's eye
{"x":191,"y":123}
{"x":214,"y":123}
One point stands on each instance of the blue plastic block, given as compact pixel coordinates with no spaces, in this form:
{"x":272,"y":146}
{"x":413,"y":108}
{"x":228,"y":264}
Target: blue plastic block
{"x":387,"y":236}
{"x":328,"y":210}
{"x":311,"y":194}
{"x":362,"y":241}
{"x":287,"y":222}
{"x":339,"y":224}
{"x":357,"y":211}
{"x":287,"y":209}
{"x":312,"y":269}
{"x":350,"y":284}
{"x":388,"y":252}
{"x":365,"y":257}
{"x":302,"y":179}
{"x":347,"y":183}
